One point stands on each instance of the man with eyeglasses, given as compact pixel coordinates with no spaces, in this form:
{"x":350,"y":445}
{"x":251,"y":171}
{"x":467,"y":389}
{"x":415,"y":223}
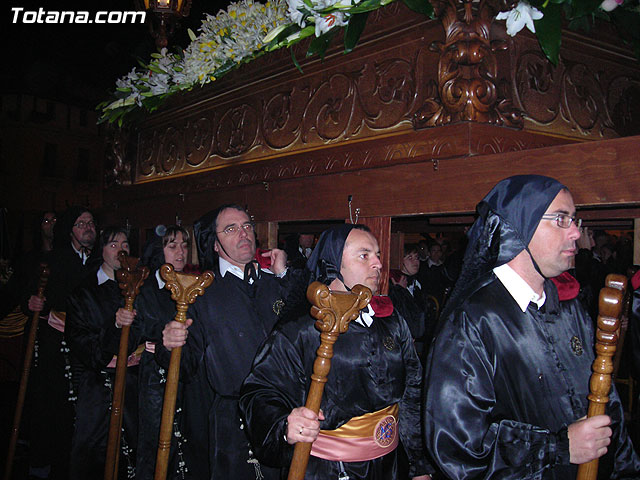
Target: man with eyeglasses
{"x":70,"y":262}
{"x":507,"y":378}
{"x":226,"y":326}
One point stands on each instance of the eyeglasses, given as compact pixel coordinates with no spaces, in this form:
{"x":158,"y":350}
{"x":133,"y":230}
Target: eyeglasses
{"x":563,"y":220}
{"x":49,"y":220}
{"x":235,"y":229}
{"x":82,"y":224}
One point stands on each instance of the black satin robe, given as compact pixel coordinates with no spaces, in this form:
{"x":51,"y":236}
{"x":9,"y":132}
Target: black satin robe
{"x":155,"y":308}
{"x":372,"y":368}
{"x":634,"y":333}
{"x":93,"y":340}
{"x":230,"y":322}
{"x":502,"y":386}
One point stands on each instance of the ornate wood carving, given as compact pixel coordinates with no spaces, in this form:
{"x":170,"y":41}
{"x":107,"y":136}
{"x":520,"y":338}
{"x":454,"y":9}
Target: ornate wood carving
{"x":582,"y":96}
{"x":408,"y":147}
{"x":118,"y":167}
{"x":467,"y":83}
{"x":267,"y":122}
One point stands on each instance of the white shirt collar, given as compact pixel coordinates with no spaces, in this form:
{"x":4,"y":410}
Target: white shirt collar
{"x":226,"y":266}
{"x":80,"y":253}
{"x":102,"y":277}
{"x":366,"y":316}
{"x":413,"y":286}
{"x":431,"y":263}
{"x":161,"y":282}
{"x":520,"y":290}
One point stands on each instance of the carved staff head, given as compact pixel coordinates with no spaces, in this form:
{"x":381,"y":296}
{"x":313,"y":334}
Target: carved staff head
{"x":334,"y":310}
{"x":130,"y":276}
{"x":185,"y":287}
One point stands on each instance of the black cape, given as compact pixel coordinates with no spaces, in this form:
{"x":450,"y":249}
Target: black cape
{"x":525,"y":378}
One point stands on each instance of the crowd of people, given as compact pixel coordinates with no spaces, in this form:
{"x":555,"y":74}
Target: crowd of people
{"x":476,"y":365}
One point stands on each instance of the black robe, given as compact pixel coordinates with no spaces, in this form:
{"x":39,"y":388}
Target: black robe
{"x":51,"y":424}
{"x":372,"y":368}
{"x":230,"y":322}
{"x":93,"y":340}
{"x":155,"y":308}
{"x":502,"y":386}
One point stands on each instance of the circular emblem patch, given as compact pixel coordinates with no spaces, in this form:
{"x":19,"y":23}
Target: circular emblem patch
{"x":385,"y":432}
{"x":388,"y":343}
{"x":576,"y":346}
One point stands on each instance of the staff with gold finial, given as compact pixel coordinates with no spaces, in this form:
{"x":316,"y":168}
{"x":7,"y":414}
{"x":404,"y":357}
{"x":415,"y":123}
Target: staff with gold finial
{"x":185,"y":288}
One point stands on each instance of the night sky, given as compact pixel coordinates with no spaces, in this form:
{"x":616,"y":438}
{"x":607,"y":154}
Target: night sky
{"x":79,"y":63}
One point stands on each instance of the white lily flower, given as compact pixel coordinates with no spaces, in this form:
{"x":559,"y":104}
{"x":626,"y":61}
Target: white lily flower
{"x":296,"y":8}
{"x":327,"y":22}
{"x":522,"y":15}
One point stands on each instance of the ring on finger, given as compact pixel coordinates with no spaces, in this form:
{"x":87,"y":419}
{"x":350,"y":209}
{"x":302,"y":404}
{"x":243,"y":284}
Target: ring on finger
{"x":301,"y":429}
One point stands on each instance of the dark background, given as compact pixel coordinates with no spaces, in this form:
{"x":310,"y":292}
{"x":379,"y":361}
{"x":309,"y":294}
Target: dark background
{"x":79,"y":63}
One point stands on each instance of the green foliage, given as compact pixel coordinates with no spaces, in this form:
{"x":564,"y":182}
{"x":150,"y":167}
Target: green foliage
{"x":548,"y":30}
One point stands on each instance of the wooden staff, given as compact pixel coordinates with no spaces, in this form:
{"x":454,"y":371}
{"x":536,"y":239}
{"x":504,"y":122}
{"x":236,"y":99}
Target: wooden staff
{"x":184,"y":290}
{"x":333,"y":312}
{"x":24,"y":380}
{"x":609,"y":312}
{"x":130,"y":278}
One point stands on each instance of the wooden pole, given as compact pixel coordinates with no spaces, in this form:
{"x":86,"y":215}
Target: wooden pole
{"x":333,"y":312}
{"x":610,"y":308}
{"x":184,"y":290}
{"x":130,"y":278}
{"x":26,"y":369}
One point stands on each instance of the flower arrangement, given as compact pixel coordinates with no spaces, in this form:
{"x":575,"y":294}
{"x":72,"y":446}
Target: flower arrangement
{"x":545,"y":18}
{"x":226,"y":40}
{"x":248,"y":29}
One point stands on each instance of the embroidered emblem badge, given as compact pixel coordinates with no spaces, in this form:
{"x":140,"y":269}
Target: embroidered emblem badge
{"x":388,"y":343}
{"x":278,"y":305}
{"x":385,"y":432}
{"x":576,"y":346}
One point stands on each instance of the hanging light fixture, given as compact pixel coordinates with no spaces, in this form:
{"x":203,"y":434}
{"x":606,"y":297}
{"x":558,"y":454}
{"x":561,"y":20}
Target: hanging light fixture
{"x":163,"y":18}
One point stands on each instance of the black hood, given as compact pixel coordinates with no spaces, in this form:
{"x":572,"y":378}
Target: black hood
{"x":204,"y":231}
{"x":325,"y":260}
{"x":507,"y":219}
